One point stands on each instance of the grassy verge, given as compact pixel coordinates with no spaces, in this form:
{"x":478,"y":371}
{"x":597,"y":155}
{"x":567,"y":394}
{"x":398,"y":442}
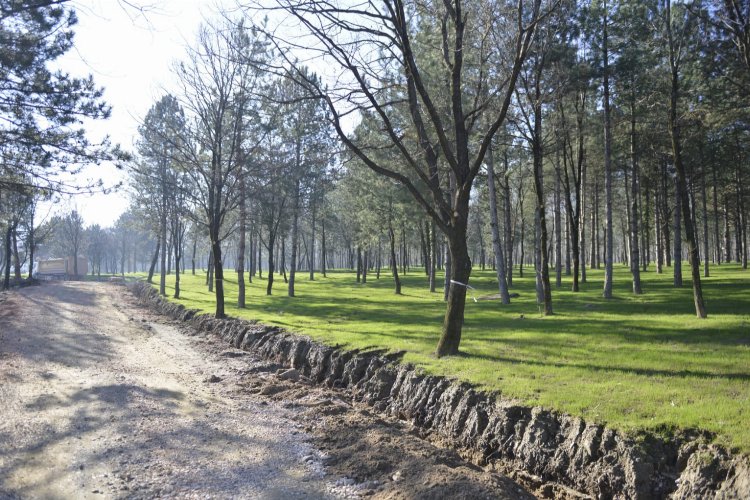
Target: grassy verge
{"x":632,"y":362}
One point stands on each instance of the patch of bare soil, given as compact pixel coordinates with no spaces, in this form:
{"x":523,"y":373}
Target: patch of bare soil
{"x":100,"y":398}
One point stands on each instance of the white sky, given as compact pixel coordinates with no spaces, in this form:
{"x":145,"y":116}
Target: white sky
{"x":131,"y":56}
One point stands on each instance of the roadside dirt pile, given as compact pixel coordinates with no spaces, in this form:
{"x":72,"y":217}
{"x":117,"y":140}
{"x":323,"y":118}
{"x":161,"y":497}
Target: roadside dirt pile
{"x":556,"y":455}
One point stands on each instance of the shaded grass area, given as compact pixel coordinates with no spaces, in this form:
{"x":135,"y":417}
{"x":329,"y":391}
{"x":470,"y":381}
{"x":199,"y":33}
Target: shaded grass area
{"x":633,"y":362}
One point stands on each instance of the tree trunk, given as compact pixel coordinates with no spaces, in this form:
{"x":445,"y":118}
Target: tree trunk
{"x":674,"y":128}
{"x":677,"y":236}
{"x":717,"y":240}
{"x":311,"y":253}
{"x":378,"y":261}
{"x":508,"y":229}
{"x":295,"y":240}
{"x":218,"y":273}
{"x":740,"y":229}
{"x":727,"y":239}
{"x":581,"y":216}
{"x":423,"y":244}
{"x":665,"y":217}
{"x":496,"y":243}
{"x":448,"y":272}
{"x":595,"y":227}
{"x":323,"y":248}
{"x":210,"y":273}
{"x":557,"y":215}
{"x":6,"y":278}
{"x":433,"y":256}
{"x":163,"y":240}
{"x":195,"y":247}
{"x":394,"y":262}
{"x":271,"y":268}
{"x":359,"y":264}
{"x":608,"y":278}
{"x":32,"y":245}
{"x":460,"y":270}
{"x":251,"y":257}
{"x":635,"y":265}
{"x":152,"y":267}
{"x":646,"y":231}
{"x":283,"y":259}
{"x":16,"y":257}
{"x":704,"y":209}
{"x":177,"y":257}
{"x":241,"y":245}
{"x":365,"y":264}
{"x":540,"y":209}
{"x":259,"y":262}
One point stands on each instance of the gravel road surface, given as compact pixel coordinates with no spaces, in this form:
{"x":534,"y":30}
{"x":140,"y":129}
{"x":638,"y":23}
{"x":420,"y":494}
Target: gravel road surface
{"x":99,"y":398}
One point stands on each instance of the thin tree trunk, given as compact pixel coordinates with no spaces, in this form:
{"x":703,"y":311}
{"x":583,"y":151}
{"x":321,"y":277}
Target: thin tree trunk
{"x":259,"y":262}
{"x":195,"y":247}
{"x":378,"y":262}
{"x":496,"y":243}
{"x":163,"y":255}
{"x":558,"y":225}
{"x":423,"y":248}
{"x":674,"y":127}
{"x":177,"y":257}
{"x":365,"y":264}
{"x":704,"y":207}
{"x":242,"y":243}
{"x":433,"y":256}
{"x":295,"y":240}
{"x":6,"y":278}
{"x":311,"y":259}
{"x":323,"y":248}
{"x":608,"y":277}
{"x":16,"y":258}
{"x":271,"y":268}
{"x":283,"y":259}
{"x":448,"y":274}
{"x":727,"y":239}
{"x":581,"y":216}
{"x":210,"y":273}
{"x":508,"y":224}
{"x":677,"y":236}
{"x":717,"y":240}
{"x":152,"y":267}
{"x":394,"y":266}
{"x":359,"y":264}
{"x":635,"y":267}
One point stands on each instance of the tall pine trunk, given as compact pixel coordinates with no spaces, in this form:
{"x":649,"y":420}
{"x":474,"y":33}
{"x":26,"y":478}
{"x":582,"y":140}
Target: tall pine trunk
{"x":241,"y":245}
{"x":674,"y":128}
{"x":295,"y":240}
{"x":394,"y":266}
{"x":497,"y":247}
{"x":635,"y":267}
{"x":608,"y":277}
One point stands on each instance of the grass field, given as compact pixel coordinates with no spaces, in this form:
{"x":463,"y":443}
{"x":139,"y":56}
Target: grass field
{"x":632,"y":362}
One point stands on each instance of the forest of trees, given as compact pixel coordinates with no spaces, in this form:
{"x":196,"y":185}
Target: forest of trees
{"x":546,"y":137}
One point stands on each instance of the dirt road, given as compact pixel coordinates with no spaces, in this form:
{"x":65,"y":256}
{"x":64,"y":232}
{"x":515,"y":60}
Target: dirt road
{"x":101,"y":399}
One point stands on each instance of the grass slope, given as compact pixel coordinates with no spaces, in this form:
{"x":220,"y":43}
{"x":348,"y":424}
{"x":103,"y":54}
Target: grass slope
{"x":632,"y":362}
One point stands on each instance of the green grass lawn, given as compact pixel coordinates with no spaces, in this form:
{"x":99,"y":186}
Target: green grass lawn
{"x":632,"y":362}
